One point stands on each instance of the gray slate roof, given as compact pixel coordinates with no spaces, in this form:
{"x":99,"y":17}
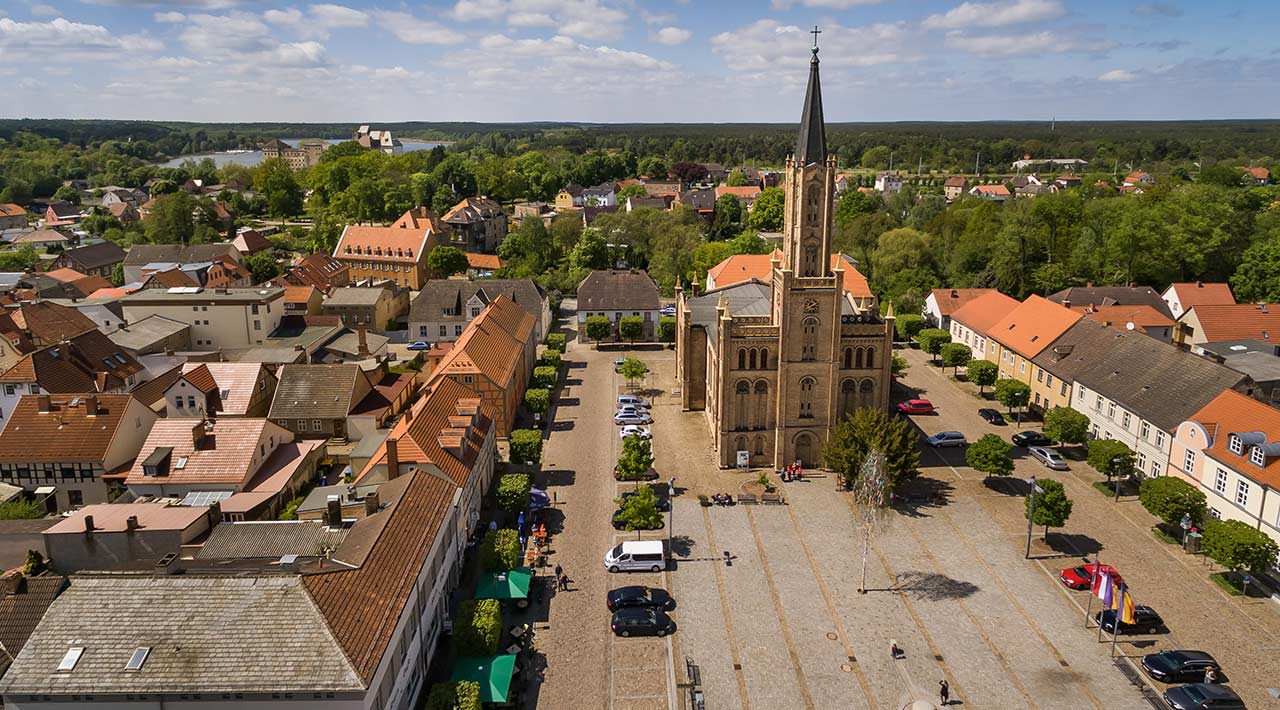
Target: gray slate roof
{"x":141,"y":254}
{"x":271,"y":539}
{"x":439,"y":294}
{"x":315,"y":392}
{"x":1112,"y":296}
{"x":206,"y":635}
{"x":1155,"y":380}
{"x":1259,"y":366}
{"x":355,"y":296}
{"x":94,"y":256}
{"x":746,"y":298}
{"x":617,"y":290}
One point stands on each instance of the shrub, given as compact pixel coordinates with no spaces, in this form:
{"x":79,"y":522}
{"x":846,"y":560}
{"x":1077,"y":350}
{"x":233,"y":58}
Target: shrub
{"x":525,"y":446}
{"x":556,"y":341}
{"x":982,"y":373}
{"x":550,"y":358}
{"x":545,"y":377}
{"x":513,"y":492}
{"x":1238,"y":546}
{"x":454,"y":695}
{"x":599,"y":328}
{"x":631,"y":327}
{"x":537,"y":400}
{"x":909,"y":325}
{"x":667,"y":329}
{"x":1170,"y":498}
{"x":20,"y":510}
{"x":500,"y":550}
{"x":477,"y":627}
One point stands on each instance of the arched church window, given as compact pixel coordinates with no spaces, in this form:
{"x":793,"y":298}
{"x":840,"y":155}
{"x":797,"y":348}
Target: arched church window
{"x":753,"y":358}
{"x":807,"y":385}
{"x":764,"y":358}
{"x":742,"y":358}
{"x":871,"y":357}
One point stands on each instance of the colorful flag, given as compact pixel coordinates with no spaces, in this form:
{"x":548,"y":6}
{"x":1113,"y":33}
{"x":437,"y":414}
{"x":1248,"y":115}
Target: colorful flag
{"x":1103,"y":588}
{"x":1125,"y":604}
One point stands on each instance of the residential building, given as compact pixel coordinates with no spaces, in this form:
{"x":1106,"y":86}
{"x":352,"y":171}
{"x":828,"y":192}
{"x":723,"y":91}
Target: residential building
{"x":993,"y":193}
{"x":60,"y":213}
{"x":327,"y":402}
{"x":1137,"y":318}
{"x":70,"y":284}
{"x":888,"y":183}
{"x":1026,"y":331}
{"x":1230,"y":450}
{"x":746,"y":194}
{"x":615,"y":294}
{"x":1105,"y":296}
{"x":221,"y":389}
{"x":99,"y":258}
{"x":444,"y":307}
{"x":43,"y":239}
{"x":484,"y":264}
{"x":1182,"y":297}
{"x":477,"y":224}
{"x":603,"y":195}
{"x":1050,"y":164}
{"x":266,"y":541}
{"x":745,"y":267}
{"x":106,"y":536}
{"x":48,"y":323}
{"x":1258,"y":359}
{"x":71,"y":443}
{"x":1214,"y":324}
{"x":971,"y":323}
{"x":140,"y":255}
{"x":659,"y":188}
{"x":954,"y":187}
{"x":88,"y":362}
{"x":250,"y":241}
{"x":12,"y":216}
{"x":304,"y":156}
{"x":942,"y":302}
{"x":249,"y":467}
{"x":776,"y":364}
{"x":570,"y":197}
{"x":533,"y":210}
{"x":396,"y":253}
{"x":23,"y":602}
{"x":1138,"y":177}
{"x":1256,"y":176}
{"x":701,"y":200}
{"x":377,"y":140}
{"x":318,"y":270}
{"x":372,"y":307}
{"x":1056,"y":368}
{"x":494,"y":358}
{"x":222,"y":272}
{"x":661,"y":203}
{"x":153,"y":334}
{"x":219,"y":318}
{"x":302,"y":300}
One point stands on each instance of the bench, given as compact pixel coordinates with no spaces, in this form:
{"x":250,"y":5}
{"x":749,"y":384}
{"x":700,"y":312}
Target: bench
{"x":771,"y":498}
{"x":747,"y":499}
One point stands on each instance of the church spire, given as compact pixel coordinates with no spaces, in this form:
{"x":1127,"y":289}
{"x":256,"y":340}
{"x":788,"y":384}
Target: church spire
{"x":811,"y":147}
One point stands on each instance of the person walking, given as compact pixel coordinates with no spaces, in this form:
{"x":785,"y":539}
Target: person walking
{"x":559,"y":572}
{"x":944,"y":692}
{"x":1211,"y":675}
{"x":564,"y":582}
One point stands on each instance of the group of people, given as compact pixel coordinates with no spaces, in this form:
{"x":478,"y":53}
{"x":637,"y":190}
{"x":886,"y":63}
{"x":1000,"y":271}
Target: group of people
{"x":562,"y":579}
{"x":793,"y":472}
{"x":722,"y":499}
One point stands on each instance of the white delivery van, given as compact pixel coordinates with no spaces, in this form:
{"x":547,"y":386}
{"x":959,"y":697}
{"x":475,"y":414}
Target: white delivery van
{"x":636,"y":556}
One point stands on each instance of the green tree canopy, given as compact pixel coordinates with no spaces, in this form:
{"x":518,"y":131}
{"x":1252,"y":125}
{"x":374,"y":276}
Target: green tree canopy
{"x":1111,"y":458}
{"x":599,"y":328}
{"x":982,"y":373}
{"x":263,"y":266}
{"x":454,"y":695}
{"x":277,"y":182}
{"x":955,"y":355}
{"x":1257,"y":280}
{"x":537,"y":400}
{"x":867,"y":429}
{"x":1053,"y":507}
{"x":1170,"y":498}
{"x":171,"y":220}
{"x":728,"y":217}
{"x":640,"y":510}
{"x":667,"y":329}
{"x":632,"y":190}
{"x":635,"y":460}
{"x":447,"y":260}
{"x":852,"y":204}
{"x":768,"y":209}
{"x":1012,"y":393}
{"x":631,"y":327}
{"x":909,"y":325}
{"x":526,"y":446}
{"x":1236,"y":545}
{"x":990,"y":455}
{"x":477,"y":627}
{"x":1066,"y":425}
{"x":500,"y":550}
{"x":932,"y":339}
{"x":633,"y":369}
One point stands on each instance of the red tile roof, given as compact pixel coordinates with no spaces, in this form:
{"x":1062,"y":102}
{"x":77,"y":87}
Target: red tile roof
{"x":951,"y":299}
{"x":744,"y":267}
{"x":9,"y":209}
{"x":984,"y":311}
{"x":1200,"y":293}
{"x":418,"y":433}
{"x":992,"y":190}
{"x":1245,"y":321}
{"x":389,"y":244}
{"x":1141,"y":316}
{"x":228,"y":453}
{"x":742,"y":192}
{"x":65,"y":433}
{"x":51,"y":322}
{"x":64,"y":275}
{"x":1234,"y":413}
{"x":114,"y":517}
{"x":1033,"y":325}
{"x":488,"y":262}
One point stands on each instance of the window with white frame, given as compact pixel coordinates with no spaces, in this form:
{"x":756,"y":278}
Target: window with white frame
{"x":1220,"y":481}
{"x":1039,"y":375}
{"x":1256,"y":457}
{"x":1242,"y":493}
{"x":1215,"y":514}
{"x":1155,"y":468}
{"x":1111,"y":410}
{"x":1142,"y":461}
{"x":1097,"y":402}
{"x":1189,"y":461}
{"x":1125,"y":421}
{"x":1159,"y":438}
{"x":1235,"y":445}
{"x":1146,"y":429}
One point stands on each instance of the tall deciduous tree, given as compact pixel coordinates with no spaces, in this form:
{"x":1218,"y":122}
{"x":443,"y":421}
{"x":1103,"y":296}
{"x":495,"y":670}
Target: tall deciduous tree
{"x":932,"y":339}
{"x":1236,"y":545}
{"x":768,"y":210}
{"x":1066,"y":425}
{"x":1053,"y":507}
{"x":990,"y":455}
{"x":955,"y":355}
{"x":446,"y":261}
{"x":982,"y":373}
{"x":171,"y":220}
{"x":1013,"y":394}
{"x":1111,"y":458}
{"x":277,"y":182}
{"x":1170,"y":498}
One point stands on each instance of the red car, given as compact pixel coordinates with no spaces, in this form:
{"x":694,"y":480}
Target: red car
{"x":915,"y":406}
{"x":1082,"y":577}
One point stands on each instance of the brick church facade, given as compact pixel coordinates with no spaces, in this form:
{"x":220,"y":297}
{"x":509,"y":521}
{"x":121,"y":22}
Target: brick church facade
{"x":776,"y":365}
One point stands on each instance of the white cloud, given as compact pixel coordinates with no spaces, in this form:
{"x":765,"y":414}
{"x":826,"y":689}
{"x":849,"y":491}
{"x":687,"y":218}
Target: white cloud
{"x":1004,"y":45}
{"x":334,"y":16}
{"x":318,"y":20}
{"x":581,"y":19}
{"x":193,"y":4}
{"x":1118,"y":75}
{"x":170,"y":18}
{"x":770,"y":47}
{"x":545,"y":62}
{"x":471,"y":10}
{"x":671,"y":36}
{"x":412,"y":30}
{"x":823,"y":4}
{"x":73,"y":39}
{"x":287,"y":16}
{"x":999,"y":13}
{"x":531,"y":19}
{"x":43,"y":10}
{"x":656,"y":18}
{"x":296,"y":54}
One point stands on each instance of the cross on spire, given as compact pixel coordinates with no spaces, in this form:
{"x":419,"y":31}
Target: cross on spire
{"x":815,"y":32}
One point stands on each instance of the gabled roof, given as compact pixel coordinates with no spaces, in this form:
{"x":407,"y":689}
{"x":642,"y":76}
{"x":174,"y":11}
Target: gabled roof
{"x":228,"y":452}
{"x":270,"y":540}
{"x":448,"y":410}
{"x":96,"y":256}
{"x":1112,"y":296}
{"x":318,"y":270}
{"x":617,"y":290}
{"x":1032,"y":326}
{"x":985,"y":311}
{"x":997,"y":190}
{"x":742,"y":192}
{"x":141,"y":254}
{"x":487,"y":262}
{"x":357,"y":296}
{"x":234,"y":382}
{"x":66,"y":432}
{"x":299,"y":294}
{"x":1233,"y":413}
{"x":956,"y":181}
{"x":383,"y":244}
{"x":363,"y":606}
{"x":745,"y":298}
{"x":84,"y":363}
{"x":419,"y":218}
{"x":146,"y":332}
{"x":950,"y":300}
{"x":21,"y":612}
{"x":440,"y":294}
{"x":317,"y":391}
{"x":1189,"y":295}
{"x":8,"y":209}
{"x":485,"y":348}
{"x":745,"y":267}
{"x":473,"y":209}
{"x":1141,"y":316}
{"x":1244,"y":321}
{"x":40,"y":236}
{"x":703,"y":200}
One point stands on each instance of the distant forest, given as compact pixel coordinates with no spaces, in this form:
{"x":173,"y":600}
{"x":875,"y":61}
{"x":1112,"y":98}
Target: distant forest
{"x":940,"y":147}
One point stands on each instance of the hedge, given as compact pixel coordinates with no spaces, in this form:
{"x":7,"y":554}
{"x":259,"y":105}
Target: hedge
{"x":477,"y":627}
{"x":454,"y":695}
{"x":550,"y":358}
{"x":500,"y":550}
{"x":556,"y":341}
{"x":513,"y":492}
{"x":545,"y":377}
{"x":526,"y":446}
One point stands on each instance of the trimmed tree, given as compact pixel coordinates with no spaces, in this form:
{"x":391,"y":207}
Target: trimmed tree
{"x":550,"y":357}
{"x":454,"y":695}
{"x":931,"y":341}
{"x":866,"y":429}
{"x":956,"y":355}
{"x":635,"y":460}
{"x":1170,"y":499}
{"x":667,"y":329}
{"x":477,"y":627}
{"x":1053,"y":507}
{"x":526,"y":447}
{"x":599,"y":328}
{"x":537,"y":400}
{"x":1066,"y":425}
{"x":556,"y":341}
{"x":982,"y":373}
{"x":631,"y":327}
{"x":1238,"y":546}
{"x":1111,"y":458}
{"x":513,"y":492}
{"x":909,"y":325}
{"x":640,"y":510}
{"x":545,"y":377}
{"x":990,"y":455}
{"x":633,"y":369}
{"x":447,"y":261}
{"x":1012,"y":393}
{"x":500,"y":550}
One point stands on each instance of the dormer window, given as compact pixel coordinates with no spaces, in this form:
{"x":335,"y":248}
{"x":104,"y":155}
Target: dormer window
{"x":1235,"y":445}
{"x":1257,"y":457}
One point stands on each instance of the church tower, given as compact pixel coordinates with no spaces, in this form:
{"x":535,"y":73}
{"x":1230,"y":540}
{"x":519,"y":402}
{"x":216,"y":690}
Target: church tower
{"x":809,"y":185}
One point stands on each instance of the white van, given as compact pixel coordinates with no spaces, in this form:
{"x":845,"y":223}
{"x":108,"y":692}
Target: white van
{"x":636,"y":556}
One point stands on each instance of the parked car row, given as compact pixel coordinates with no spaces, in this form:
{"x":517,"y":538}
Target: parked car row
{"x":640,"y":611}
{"x":632,"y":411}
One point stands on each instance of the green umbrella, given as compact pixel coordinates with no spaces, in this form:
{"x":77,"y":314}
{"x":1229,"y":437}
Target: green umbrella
{"x":513,"y":584}
{"x":493,"y":673}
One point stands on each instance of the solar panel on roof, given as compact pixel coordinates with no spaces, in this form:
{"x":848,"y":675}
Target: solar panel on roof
{"x":202,"y":499}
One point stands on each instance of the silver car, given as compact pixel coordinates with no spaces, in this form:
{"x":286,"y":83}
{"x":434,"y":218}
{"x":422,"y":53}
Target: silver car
{"x":1048,"y":457}
{"x":632,"y":417}
{"x":946,"y":438}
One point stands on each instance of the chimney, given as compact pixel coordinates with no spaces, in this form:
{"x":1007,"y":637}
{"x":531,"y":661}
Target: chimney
{"x":88,"y":524}
{"x":955,"y":293}
{"x":364,"y":342}
{"x":371,"y":504}
{"x":131,"y":523}
{"x":64,"y":350}
{"x":1262,"y":307}
{"x":91,"y":405}
{"x":393,"y":459}
{"x":10,"y":582}
{"x":46,"y":403}
{"x":215,"y":514}
{"x":333,"y":511}
{"x":1066,"y":303}
{"x":197,"y":434}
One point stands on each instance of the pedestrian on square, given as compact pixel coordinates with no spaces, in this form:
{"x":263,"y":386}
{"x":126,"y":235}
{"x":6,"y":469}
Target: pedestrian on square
{"x":944,"y":692}
{"x":559,"y":572}
{"x":1211,"y":675}
{"x":564,"y":582}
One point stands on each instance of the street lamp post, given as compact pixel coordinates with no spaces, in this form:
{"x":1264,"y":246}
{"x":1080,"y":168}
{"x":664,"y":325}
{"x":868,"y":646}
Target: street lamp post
{"x":1116,"y":462}
{"x":671,"y":510}
{"x":1031,"y":511}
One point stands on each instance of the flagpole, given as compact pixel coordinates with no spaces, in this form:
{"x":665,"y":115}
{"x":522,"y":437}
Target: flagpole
{"x":1093,"y":589}
{"x":1121,"y":593}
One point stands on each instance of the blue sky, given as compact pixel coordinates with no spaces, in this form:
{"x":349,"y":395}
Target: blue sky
{"x":637,"y":60}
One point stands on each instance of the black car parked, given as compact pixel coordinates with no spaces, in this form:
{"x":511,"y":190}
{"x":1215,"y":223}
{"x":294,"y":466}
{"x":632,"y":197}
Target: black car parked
{"x":1146,"y":621}
{"x":641,"y":621}
{"x":638,"y":596}
{"x":991,"y":416}
{"x":1031,"y":438}
{"x":1178,"y":666}
{"x":1203,"y":696}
